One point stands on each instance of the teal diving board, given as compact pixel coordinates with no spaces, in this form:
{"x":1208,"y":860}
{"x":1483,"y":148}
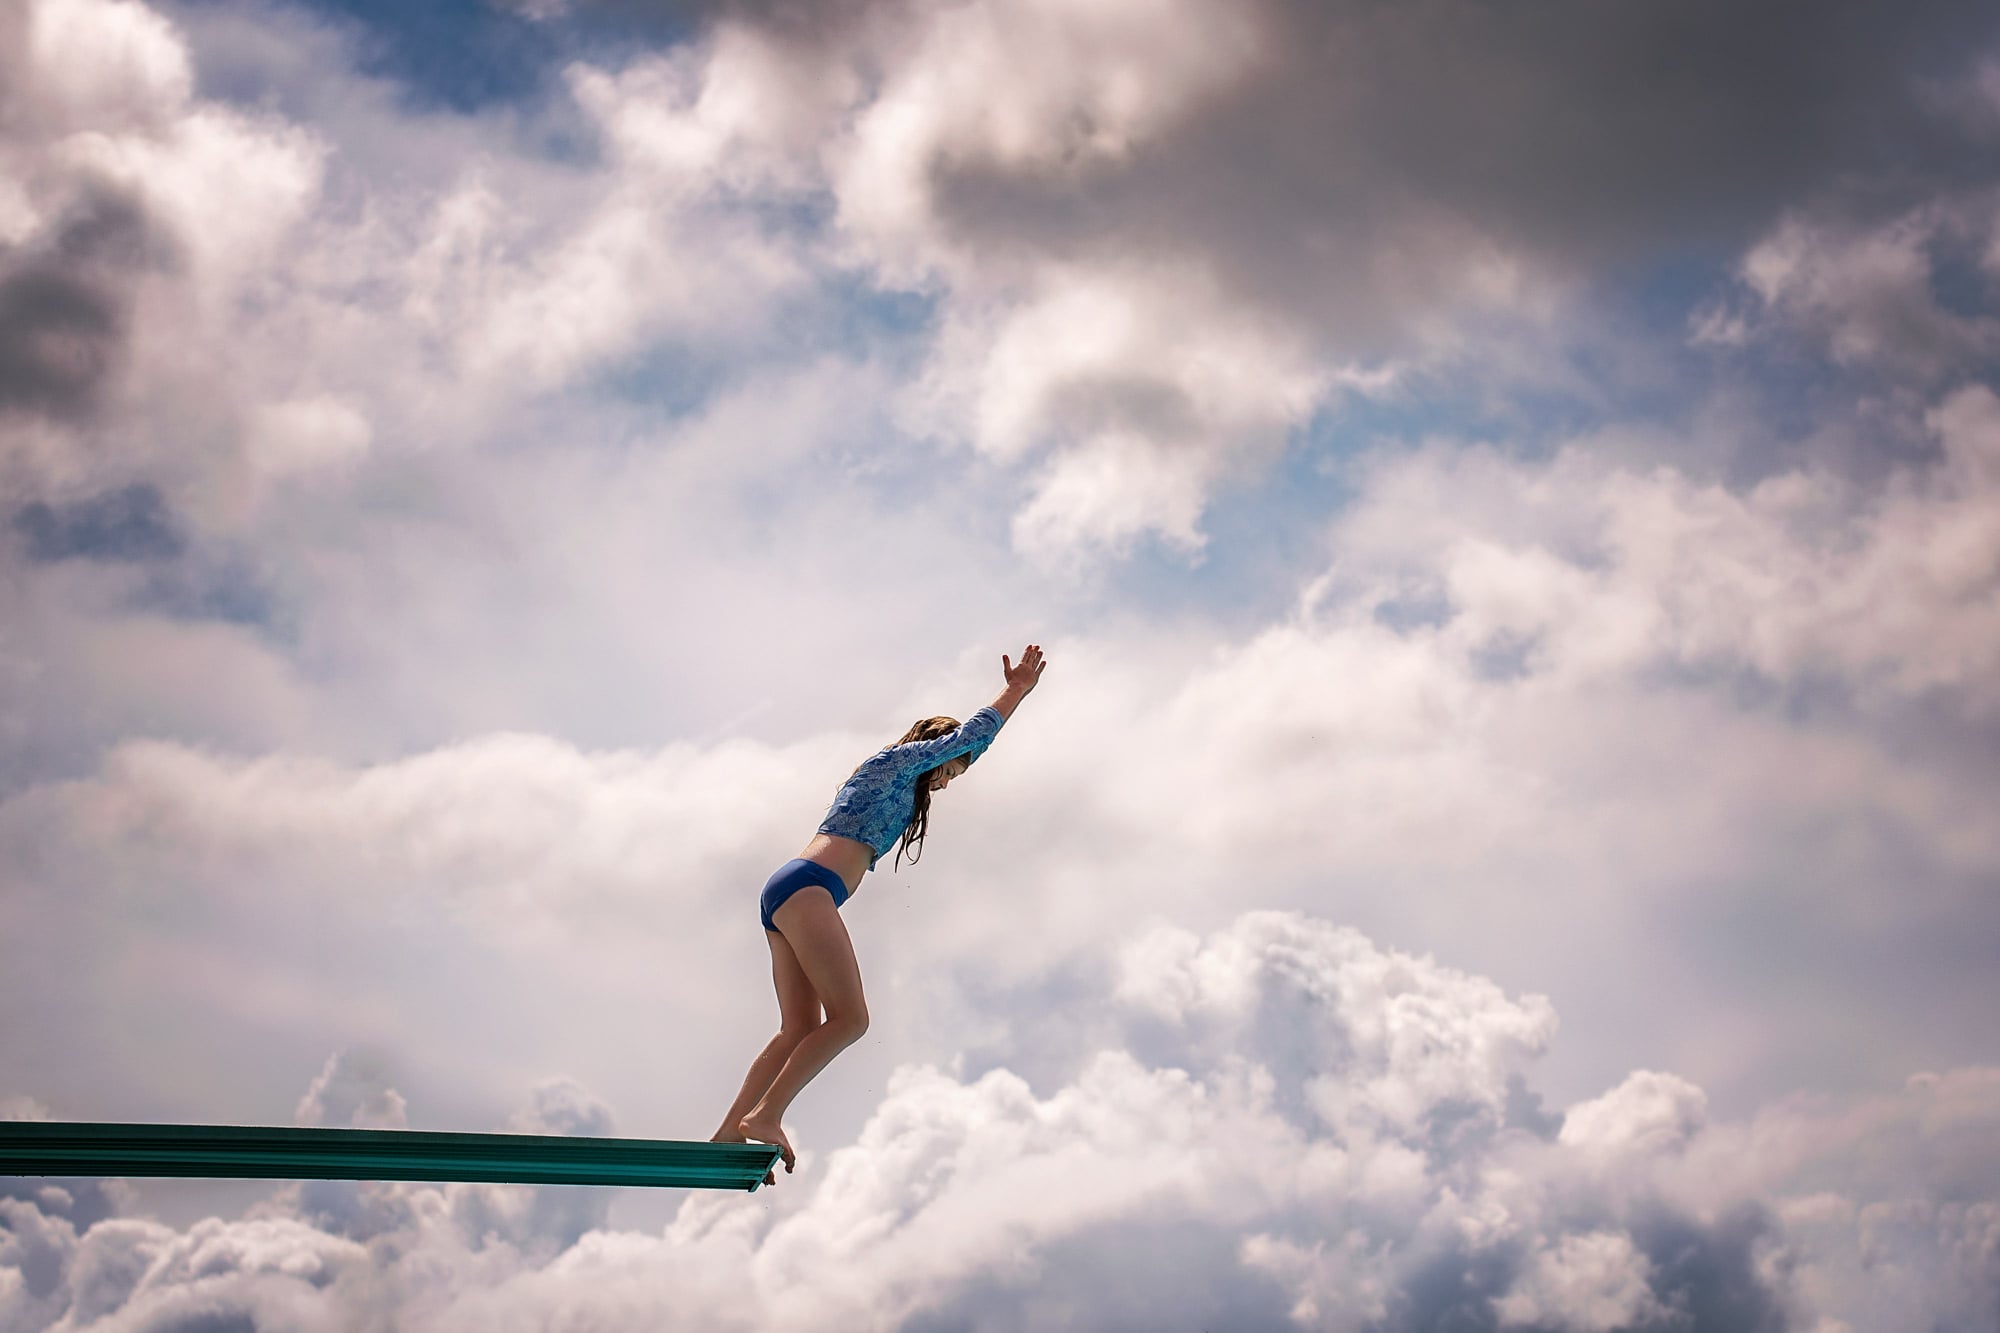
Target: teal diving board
{"x":259,"y":1152}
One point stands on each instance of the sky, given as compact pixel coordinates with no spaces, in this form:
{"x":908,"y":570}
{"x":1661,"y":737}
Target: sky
{"x":1509,"y":494}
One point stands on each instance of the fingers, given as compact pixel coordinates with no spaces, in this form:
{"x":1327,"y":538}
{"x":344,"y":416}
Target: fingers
{"x":1031,"y":662}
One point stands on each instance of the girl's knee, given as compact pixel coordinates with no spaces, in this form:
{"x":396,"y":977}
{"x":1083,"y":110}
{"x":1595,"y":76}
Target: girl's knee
{"x":791,"y":1034}
{"x":849,"y":1024}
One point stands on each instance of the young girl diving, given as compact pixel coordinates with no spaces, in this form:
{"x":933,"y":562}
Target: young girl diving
{"x":820,"y":1005}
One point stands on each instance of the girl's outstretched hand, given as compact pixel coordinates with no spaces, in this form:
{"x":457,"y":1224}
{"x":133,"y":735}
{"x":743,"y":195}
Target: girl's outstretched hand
{"x":1025,"y":676}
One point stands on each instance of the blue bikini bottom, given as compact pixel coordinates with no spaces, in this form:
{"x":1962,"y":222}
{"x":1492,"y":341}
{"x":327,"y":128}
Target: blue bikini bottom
{"x":792,"y":876}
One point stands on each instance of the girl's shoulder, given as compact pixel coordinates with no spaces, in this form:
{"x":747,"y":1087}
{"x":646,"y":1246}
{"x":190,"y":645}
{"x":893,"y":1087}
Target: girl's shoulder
{"x":877,"y":768}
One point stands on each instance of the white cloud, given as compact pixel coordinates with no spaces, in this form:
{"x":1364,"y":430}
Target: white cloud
{"x":1594,"y":568}
{"x":230,"y":187}
{"x":985,"y":1201}
{"x":522,"y":829}
{"x":1590,"y":1282}
{"x":660,"y":254}
{"x":308,"y":434}
{"x":1416,"y":1035}
{"x":1649,"y":1113}
{"x":103,"y":63}
{"x":1144,"y":384}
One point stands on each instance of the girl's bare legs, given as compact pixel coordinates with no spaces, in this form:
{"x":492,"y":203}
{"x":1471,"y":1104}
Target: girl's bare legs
{"x":798,"y":1018}
{"x":817,"y":937}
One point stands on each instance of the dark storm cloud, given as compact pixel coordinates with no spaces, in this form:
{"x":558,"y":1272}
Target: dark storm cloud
{"x":81,"y":1202}
{"x":63,"y":305}
{"x":1580,"y":135}
{"x":1454,"y":1290}
{"x":13,"y":56}
{"x":1702,"y":1276}
{"x":1707,"y":1276}
{"x":135,"y":525}
{"x":1345,"y":171}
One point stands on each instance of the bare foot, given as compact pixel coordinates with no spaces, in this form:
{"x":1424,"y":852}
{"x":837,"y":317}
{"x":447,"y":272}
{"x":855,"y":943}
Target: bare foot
{"x":771,"y":1132}
{"x":736,"y":1136}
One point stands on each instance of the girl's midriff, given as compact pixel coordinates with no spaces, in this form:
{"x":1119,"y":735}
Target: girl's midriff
{"x":845,"y":857}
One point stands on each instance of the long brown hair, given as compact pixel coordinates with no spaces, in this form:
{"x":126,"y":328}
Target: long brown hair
{"x":913,"y":833}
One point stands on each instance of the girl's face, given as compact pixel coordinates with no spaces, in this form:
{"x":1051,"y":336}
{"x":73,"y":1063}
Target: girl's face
{"x":941,"y":778}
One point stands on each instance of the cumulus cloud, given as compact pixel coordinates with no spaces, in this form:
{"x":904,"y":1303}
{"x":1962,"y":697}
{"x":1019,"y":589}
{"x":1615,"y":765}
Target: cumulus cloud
{"x":92,"y":62}
{"x":173,"y":257}
{"x":1138,"y":375}
{"x":1595,"y":1282}
{"x":1593,"y":567}
{"x":515,"y":824}
{"x":264,"y":319}
{"x":1209,"y":1179}
{"x":1649,"y":1111}
{"x":144,"y":217}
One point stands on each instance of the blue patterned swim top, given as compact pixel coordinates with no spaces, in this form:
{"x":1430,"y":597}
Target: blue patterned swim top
{"x":874,"y":806}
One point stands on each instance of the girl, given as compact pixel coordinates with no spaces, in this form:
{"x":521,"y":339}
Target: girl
{"x":812,"y":961}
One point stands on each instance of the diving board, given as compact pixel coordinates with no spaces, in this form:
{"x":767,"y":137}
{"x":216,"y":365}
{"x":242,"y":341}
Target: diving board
{"x":260,"y":1152}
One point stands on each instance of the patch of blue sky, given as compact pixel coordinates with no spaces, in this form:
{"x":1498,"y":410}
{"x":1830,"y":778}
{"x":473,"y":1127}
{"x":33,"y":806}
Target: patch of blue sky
{"x":845,"y":311}
{"x":431,"y":60}
{"x":1795,"y":387}
{"x":1661,"y":290}
{"x":844,"y":317}
{"x":1804,"y":697}
{"x":470,"y":55}
{"x":1635,"y":349}
{"x":1505,"y":658}
{"x":1266,"y":532}
{"x":1265,"y":539}
{"x":1629,"y":360}
{"x":222,"y":588}
{"x":1526,"y":418}
{"x":1962,"y":283}
{"x":669,"y":379}
{"x":1419,"y":609}
{"x":175,"y":576}
{"x":865,"y":315}
{"x":130,"y":524}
